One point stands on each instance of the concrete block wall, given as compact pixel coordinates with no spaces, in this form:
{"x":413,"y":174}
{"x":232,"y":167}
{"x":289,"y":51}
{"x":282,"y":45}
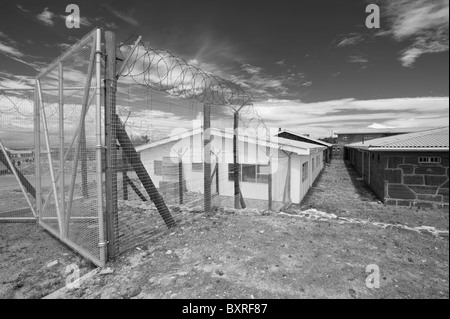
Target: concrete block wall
{"x":410,"y":183}
{"x":399,"y":178}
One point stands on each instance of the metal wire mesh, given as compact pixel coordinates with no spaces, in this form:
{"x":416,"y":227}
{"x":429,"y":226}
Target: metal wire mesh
{"x":68,"y":164}
{"x":17,"y":162}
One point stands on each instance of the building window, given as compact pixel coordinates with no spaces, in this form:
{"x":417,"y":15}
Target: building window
{"x":262,"y":174}
{"x":379,"y":157}
{"x":345,"y":138}
{"x":313,"y":163}
{"x":157,"y":167}
{"x":304,"y":171}
{"x":250,"y":173}
{"x":197,"y":167}
{"x":368,"y":137}
{"x":429,"y":160}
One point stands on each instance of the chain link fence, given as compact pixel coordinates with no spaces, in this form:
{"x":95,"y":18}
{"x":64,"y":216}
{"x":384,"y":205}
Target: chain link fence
{"x":130,"y":141}
{"x":17,"y":158}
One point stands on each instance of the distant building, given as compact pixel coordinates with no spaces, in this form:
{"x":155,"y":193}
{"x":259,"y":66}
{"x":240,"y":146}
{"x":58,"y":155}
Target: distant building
{"x":306,"y":139}
{"x":406,"y":170}
{"x":20,"y":154}
{"x":362,"y":135}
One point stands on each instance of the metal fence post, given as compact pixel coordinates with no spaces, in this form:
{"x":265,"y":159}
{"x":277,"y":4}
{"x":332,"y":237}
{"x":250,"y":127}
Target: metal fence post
{"x":99,"y":147}
{"x":207,"y":157}
{"x":37,"y":152}
{"x":64,"y":231}
{"x":110,"y":141}
{"x":180,"y":180}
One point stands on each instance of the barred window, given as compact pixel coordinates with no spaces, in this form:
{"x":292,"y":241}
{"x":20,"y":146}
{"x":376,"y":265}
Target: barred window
{"x":429,"y":160}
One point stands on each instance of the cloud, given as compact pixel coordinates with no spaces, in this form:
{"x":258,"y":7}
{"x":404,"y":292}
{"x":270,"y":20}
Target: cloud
{"x":282,"y":62}
{"x":46,"y":17}
{"x":251,"y":69}
{"x":127,"y":17}
{"x":357,"y":59}
{"x":84,"y":21}
{"x":380,"y":126}
{"x":348,"y":40}
{"x":320,"y":118}
{"x":424,"y":23}
{"x":8,"y":81}
{"x":10,"y":51}
{"x":22,"y":8}
{"x":111,"y":25}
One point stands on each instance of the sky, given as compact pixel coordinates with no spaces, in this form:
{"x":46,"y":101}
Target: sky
{"x":311,"y":66}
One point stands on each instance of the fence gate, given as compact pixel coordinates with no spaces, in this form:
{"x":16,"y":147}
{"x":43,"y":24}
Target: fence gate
{"x":17,"y":167}
{"x":69,"y":147}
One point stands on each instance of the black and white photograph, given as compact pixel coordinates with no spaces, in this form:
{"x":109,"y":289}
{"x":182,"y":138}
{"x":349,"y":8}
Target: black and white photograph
{"x":224,"y":157}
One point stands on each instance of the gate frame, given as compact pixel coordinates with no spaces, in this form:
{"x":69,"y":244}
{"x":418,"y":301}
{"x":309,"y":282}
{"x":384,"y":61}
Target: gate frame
{"x":38,"y":107}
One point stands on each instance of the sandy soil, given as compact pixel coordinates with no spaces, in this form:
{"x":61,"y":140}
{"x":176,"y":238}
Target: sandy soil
{"x":246,"y":254}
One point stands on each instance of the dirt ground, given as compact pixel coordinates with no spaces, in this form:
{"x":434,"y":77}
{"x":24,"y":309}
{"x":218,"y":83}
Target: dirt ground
{"x":25,"y":252}
{"x":340,"y":191}
{"x":250,"y":254}
{"x":268,"y":255}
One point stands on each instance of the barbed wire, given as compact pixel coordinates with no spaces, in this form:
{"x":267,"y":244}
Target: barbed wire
{"x":163,"y":71}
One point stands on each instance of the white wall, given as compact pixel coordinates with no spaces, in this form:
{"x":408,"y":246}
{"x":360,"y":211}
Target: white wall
{"x":249,"y":154}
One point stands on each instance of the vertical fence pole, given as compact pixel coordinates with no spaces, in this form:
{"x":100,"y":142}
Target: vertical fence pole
{"x":99,"y":147}
{"x":217,"y":176}
{"x":180,"y":180}
{"x":37,"y":152}
{"x":207,"y":157}
{"x":110,"y":141}
{"x":269,"y":186}
{"x":124,"y":176}
{"x":49,"y":157}
{"x":237,"y":192}
{"x":61,"y":150}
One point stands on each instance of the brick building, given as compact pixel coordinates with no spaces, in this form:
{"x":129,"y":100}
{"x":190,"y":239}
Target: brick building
{"x":406,"y":170}
{"x":366,"y":134}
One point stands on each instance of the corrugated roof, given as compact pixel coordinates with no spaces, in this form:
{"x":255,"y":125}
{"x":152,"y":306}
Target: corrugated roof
{"x":384,"y":131}
{"x":430,"y":139}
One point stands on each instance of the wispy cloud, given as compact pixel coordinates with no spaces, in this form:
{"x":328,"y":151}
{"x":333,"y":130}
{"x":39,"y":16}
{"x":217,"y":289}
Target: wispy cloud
{"x":321,"y":117}
{"x":10,"y":51}
{"x":357,"y":59}
{"x":348,"y":40}
{"x":46,"y":17}
{"x":84,"y":21}
{"x":127,"y":17}
{"x":8,"y":81}
{"x":281,"y":62}
{"x":423,"y":22}
{"x":21,"y":8}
